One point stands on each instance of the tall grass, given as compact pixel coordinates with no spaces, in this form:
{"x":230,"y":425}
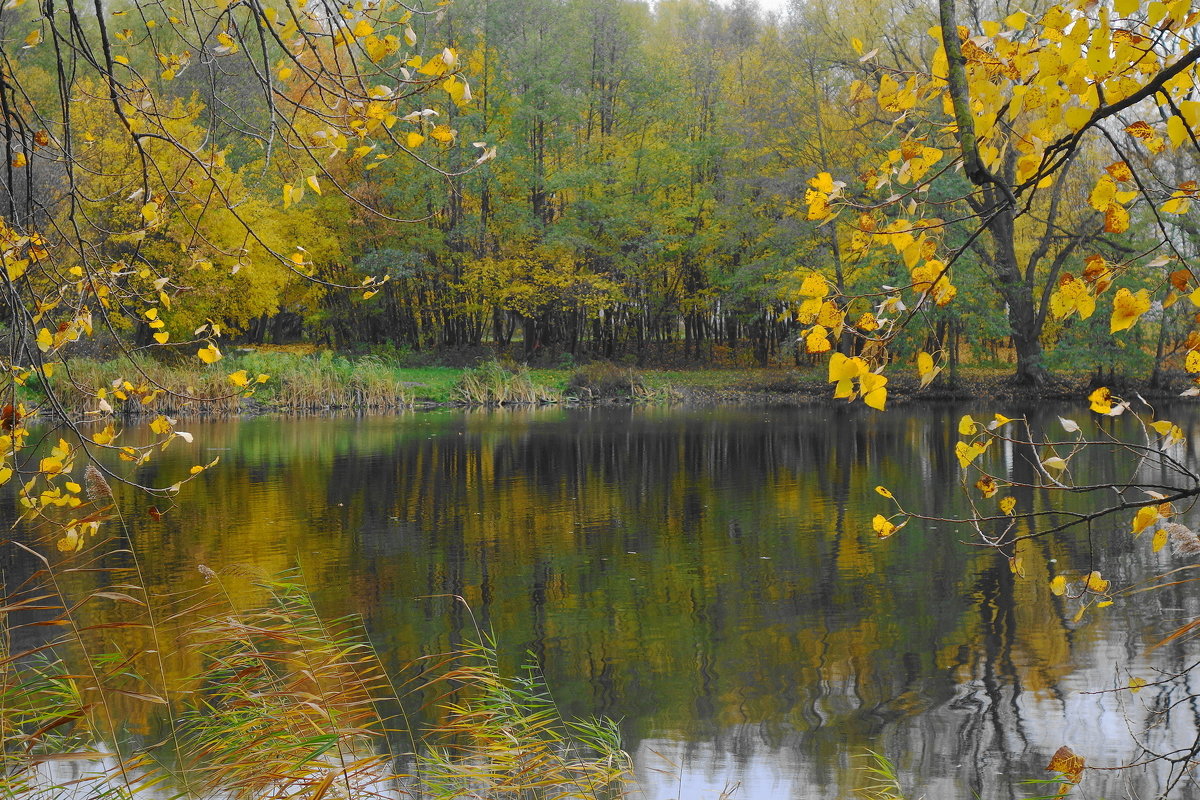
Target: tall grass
{"x":494,"y":384}
{"x":298,"y":382}
{"x":277,"y":701}
{"x":188,"y":386}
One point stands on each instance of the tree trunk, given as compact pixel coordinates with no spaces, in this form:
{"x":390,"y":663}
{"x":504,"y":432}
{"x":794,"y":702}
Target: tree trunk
{"x":1018,"y":295}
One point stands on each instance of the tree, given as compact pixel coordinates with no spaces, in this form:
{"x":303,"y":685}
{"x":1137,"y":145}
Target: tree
{"x":175,"y":171}
{"x":1072,"y":109}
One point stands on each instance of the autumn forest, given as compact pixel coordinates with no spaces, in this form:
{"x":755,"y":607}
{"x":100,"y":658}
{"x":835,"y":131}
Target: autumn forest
{"x":367,"y":429}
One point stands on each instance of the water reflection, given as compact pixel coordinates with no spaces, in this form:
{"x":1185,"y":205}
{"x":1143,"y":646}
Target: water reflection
{"x":710,"y":578}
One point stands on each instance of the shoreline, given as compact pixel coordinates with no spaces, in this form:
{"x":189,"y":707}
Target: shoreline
{"x":694,"y":388}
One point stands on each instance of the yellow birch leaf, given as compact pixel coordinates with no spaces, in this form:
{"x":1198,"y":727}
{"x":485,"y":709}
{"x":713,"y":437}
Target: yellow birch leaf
{"x":209,"y":354}
{"x":1144,"y":518}
{"x":873,"y":391}
{"x":1058,"y":586}
{"x":1094,"y":583}
{"x":313,"y":184}
{"x":1160,"y":539}
{"x":1116,"y":218}
{"x":1007,"y":504}
{"x":161,"y":337}
{"x":1128,"y":308}
{"x":1176,"y":131}
{"x":1101,"y":400}
{"x":883,"y":526}
{"x":926,"y":368}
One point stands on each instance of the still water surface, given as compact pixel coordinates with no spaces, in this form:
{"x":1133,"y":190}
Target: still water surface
{"x":710,"y":578}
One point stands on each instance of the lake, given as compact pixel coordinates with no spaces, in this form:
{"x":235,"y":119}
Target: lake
{"x":710,"y":578}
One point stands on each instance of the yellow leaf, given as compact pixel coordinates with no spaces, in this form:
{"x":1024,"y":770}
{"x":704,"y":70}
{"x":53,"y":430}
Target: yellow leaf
{"x":1192,"y":362}
{"x":1068,"y":763}
{"x":1102,"y":193}
{"x":1017,"y":565}
{"x":883,"y":526}
{"x":1160,"y":539}
{"x":926,"y":368}
{"x":161,"y":337}
{"x":1116,"y":218}
{"x":44,"y":340}
{"x":884,"y":492}
{"x":239,"y":379}
{"x":196,"y":470}
{"x":1055,"y":463}
{"x":287,"y":195}
{"x":1058,"y":586}
{"x":313,"y":184}
{"x":209,"y":354}
{"x":999,"y":422}
{"x":19,"y":160}
{"x":1127,"y":308}
{"x":822,"y":183}
{"x":34,"y":38}
{"x":443,"y":134}
{"x":987,"y":486}
{"x":967,"y":453}
{"x":1007,"y":504}
{"x":1136,"y":684}
{"x":1179,"y":203}
{"x":1101,"y":400}
{"x":967,"y":426}
{"x":413,"y":140}
{"x":363,"y":28}
{"x":1094,"y":583}
{"x":817,"y":340}
{"x":873,"y":391}
{"x":1176,"y":131}
{"x":1144,"y":518}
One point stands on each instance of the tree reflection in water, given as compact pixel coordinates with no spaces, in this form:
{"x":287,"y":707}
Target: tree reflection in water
{"x":711,"y":578}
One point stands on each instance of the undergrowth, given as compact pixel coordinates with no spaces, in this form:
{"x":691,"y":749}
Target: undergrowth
{"x":494,"y":384}
{"x":300,"y":382}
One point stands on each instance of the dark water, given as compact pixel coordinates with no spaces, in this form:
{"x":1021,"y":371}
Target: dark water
{"x":711,"y":579}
